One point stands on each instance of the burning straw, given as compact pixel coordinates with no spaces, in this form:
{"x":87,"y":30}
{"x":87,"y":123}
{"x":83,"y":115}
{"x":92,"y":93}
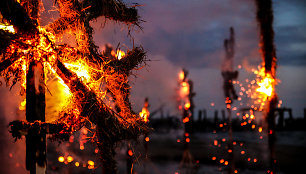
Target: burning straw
{"x":34,"y":44}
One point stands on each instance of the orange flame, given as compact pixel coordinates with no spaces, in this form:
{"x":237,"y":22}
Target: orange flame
{"x":144,"y":114}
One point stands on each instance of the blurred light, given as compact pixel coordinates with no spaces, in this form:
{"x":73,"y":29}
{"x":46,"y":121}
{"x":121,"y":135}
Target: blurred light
{"x":77,"y":164}
{"x":130,"y":152}
{"x":69,"y":159}
{"x":61,"y":159}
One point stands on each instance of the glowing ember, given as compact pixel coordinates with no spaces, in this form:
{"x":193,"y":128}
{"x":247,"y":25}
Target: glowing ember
{"x":130,"y":152}
{"x":91,"y":164}
{"x":61,"y":159}
{"x":187,"y":140}
{"x":69,"y":159}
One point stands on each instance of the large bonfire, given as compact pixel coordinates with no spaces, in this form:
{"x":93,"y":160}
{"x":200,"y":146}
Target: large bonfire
{"x":95,"y":84}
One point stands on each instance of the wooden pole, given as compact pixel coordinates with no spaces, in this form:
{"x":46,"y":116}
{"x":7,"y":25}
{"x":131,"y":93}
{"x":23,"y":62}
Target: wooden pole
{"x":35,"y":110}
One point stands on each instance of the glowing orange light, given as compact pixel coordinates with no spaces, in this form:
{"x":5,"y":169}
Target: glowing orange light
{"x":82,"y":147}
{"x":186,"y":119}
{"x":144,"y":114}
{"x":266,"y":85}
{"x":120,"y":54}
{"x":77,"y":164}
{"x":222,"y":161}
{"x":69,"y":159}
{"x":260,"y":129}
{"x":235,"y":171}
{"x":147,"y":139}
{"x":242,"y":152}
{"x":221,"y":125}
{"x":186,"y":134}
{"x":91,"y":164}
{"x":230,"y":150}
{"x":187,"y":140}
{"x":181,"y":75}
{"x":255,"y":160}
{"x":223,"y":139}
{"x":213,"y":158}
{"x":270,"y":132}
{"x":187,"y":106}
{"x":215,"y":142}
{"x":61,"y":159}
{"x":22,"y":105}
{"x":130,"y":152}
{"x":226,"y":163}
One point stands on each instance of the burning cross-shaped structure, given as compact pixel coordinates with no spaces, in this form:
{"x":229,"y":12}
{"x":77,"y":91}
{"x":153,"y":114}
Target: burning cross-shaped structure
{"x":29,"y":53}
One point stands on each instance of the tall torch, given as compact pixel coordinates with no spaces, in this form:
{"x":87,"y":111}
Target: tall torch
{"x":267,"y":85}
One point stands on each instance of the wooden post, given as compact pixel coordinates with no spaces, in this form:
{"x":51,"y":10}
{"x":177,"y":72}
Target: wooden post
{"x":35,"y":110}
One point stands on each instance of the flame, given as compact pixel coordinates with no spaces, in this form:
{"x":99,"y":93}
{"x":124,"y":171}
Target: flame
{"x":119,"y":54}
{"x":8,"y":28}
{"x":181,"y":75}
{"x":81,"y":69}
{"x":265,"y":82}
{"x":144,"y":114}
{"x":22,"y":105}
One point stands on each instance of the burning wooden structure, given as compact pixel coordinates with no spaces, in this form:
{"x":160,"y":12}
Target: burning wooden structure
{"x":186,"y":106}
{"x":268,"y":72}
{"x":229,"y":76}
{"x":30,"y":53}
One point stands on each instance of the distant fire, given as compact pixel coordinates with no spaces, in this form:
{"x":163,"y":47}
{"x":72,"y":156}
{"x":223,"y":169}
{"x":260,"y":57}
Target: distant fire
{"x":144,"y":114}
